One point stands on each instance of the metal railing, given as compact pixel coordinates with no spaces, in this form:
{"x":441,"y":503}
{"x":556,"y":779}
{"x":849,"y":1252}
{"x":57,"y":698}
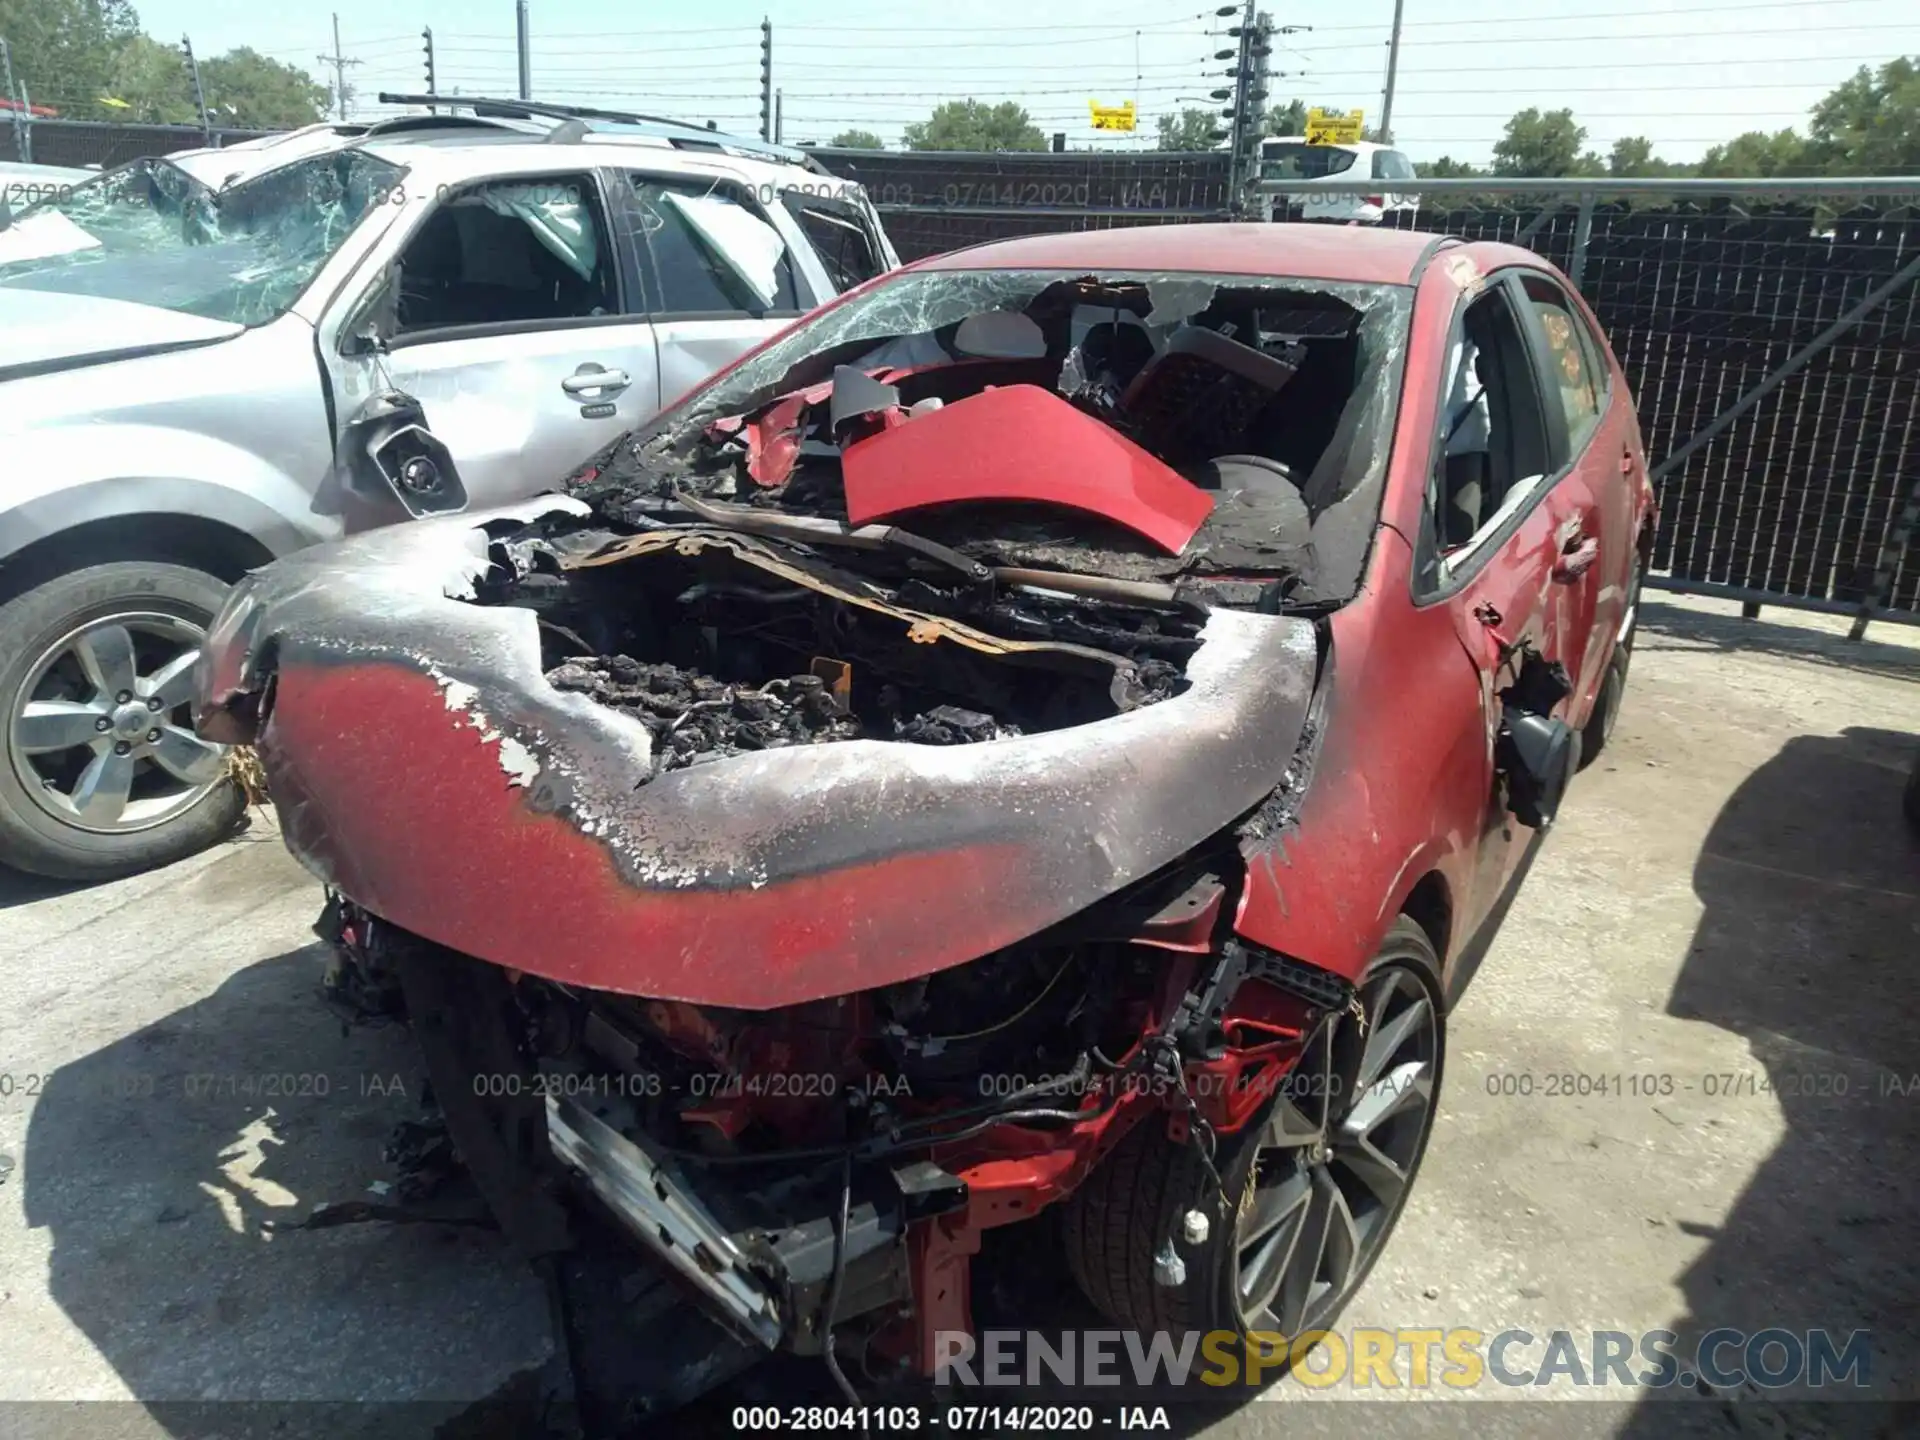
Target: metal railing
{"x":1770,"y":330}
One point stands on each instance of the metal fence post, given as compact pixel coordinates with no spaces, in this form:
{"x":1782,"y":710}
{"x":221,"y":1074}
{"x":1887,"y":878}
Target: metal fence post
{"x":6,"y":77}
{"x":1582,"y":232}
{"x":1895,"y":545}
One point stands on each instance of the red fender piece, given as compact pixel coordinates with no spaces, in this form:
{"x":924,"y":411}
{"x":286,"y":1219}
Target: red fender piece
{"x":1020,"y":443}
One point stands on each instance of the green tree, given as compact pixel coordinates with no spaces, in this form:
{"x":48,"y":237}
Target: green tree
{"x":857,"y":140}
{"x":1870,"y":124}
{"x":1632,"y":158}
{"x":1757,"y":155}
{"x":245,"y":88}
{"x":64,"y":50}
{"x":1537,"y":143}
{"x":1188,"y":130}
{"x":970,"y":125}
{"x":1287,"y":119}
{"x":1448,"y":168}
{"x":151,"y":83}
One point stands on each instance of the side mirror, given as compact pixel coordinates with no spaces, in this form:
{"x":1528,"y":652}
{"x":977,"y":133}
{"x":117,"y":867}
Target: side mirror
{"x":1539,"y":756}
{"x":1535,"y":754}
{"x":388,"y":454}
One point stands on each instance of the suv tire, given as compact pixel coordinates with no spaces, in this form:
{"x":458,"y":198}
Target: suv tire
{"x":100,"y":773}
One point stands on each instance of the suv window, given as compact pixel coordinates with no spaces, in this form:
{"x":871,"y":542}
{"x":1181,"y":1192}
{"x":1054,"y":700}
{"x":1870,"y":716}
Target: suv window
{"x":1392,"y":165}
{"x":509,"y":250}
{"x":710,"y":252}
{"x":839,"y":233}
{"x":1492,"y":453}
{"x":1573,"y":356}
{"x":151,"y":234}
{"x":1297,"y":160}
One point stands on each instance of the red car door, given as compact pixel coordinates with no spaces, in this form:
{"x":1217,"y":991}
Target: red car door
{"x":1494,"y":544}
{"x":1591,"y":502}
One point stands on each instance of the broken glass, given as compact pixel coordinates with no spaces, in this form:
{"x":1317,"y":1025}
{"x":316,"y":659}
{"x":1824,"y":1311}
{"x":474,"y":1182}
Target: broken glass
{"x":151,"y":234}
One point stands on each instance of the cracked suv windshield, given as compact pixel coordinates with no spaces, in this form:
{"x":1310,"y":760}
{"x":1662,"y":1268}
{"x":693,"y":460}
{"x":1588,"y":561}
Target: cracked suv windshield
{"x":153,"y":235}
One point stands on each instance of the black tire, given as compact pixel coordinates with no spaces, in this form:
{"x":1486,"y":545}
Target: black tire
{"x":1912,"y":800}
{"x":1134,"y":1202}
{"x":1613,"y":688}
{"x":35,"y":840}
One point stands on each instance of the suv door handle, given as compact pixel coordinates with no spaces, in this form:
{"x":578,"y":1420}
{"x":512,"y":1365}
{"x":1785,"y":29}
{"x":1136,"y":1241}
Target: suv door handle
{"x":594,"y":377}
{"x":1576,"y":557}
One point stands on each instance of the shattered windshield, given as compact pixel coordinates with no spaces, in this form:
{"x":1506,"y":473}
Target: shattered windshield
{"x":152,"y":234}
{"x":1274,"y":397}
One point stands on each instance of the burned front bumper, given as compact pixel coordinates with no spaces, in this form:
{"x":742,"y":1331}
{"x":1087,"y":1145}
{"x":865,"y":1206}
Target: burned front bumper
{"x":422,"y":764}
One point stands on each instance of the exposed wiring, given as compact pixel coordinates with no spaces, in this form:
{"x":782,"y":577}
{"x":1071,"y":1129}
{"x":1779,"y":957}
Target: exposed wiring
{"x":833,"y":1293}
{"x":1017,"y":1015}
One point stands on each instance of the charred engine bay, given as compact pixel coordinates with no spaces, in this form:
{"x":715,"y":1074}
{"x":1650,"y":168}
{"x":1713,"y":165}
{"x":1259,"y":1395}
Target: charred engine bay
{"x":720,"y":644}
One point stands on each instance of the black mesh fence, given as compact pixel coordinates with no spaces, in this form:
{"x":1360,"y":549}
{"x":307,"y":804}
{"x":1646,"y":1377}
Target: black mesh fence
{"x":79,"y":143}
{"x":1706,"y":299}
{"x":934,"y":201}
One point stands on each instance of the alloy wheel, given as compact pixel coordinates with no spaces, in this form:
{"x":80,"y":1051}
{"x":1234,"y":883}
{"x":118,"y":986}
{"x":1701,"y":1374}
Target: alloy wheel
{"x":1337,"y":1155}
{"x":100,"y":731}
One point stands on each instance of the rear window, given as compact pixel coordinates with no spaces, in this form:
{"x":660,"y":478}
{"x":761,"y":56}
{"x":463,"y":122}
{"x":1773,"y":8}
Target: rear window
{"x":840,"y":237}
{"x":1392,"y":165}
{"x":1297,"y":160}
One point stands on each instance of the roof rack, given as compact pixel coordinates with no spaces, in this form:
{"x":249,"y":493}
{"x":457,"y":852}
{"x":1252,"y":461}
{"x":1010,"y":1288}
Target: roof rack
{"x":681,"y":134}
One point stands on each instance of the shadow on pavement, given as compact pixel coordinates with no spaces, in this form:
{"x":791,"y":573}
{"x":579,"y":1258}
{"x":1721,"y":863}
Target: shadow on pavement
{"x":1809,"y":948}
{"x":154,"y":1163}
{"x":19,"y":888}
{"x":1895,"y":653}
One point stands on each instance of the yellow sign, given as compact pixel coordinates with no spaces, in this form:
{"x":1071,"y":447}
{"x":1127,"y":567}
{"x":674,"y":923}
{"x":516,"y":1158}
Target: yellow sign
{"x":1335,"y":127}
{"x":1111,"y":117}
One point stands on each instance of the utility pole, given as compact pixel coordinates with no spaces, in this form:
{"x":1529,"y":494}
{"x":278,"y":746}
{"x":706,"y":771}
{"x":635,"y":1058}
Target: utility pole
{"x":1393,"y":72}
{"x":526,"y":52}
{"x":766,"y":79}
{"x":1254,"y":33}
{"x":427,"y":35}
{"x":779,"y":129}
{"x":13,"y":100}
{"x":339,"y":62}
{"x":199,"y":95}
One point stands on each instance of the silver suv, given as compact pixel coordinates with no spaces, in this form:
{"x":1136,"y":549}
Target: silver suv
{"x":184,"y":344}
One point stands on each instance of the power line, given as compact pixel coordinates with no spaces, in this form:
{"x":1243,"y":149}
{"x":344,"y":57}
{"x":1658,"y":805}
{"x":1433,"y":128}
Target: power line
{"x":1535,"y":18}
{"x":1615,"y":38}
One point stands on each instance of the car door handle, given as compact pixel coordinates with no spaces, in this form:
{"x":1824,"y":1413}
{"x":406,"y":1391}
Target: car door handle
{"x":1626,"y":463}
{"x":1576,"y":557}
{"x":608,"y":382}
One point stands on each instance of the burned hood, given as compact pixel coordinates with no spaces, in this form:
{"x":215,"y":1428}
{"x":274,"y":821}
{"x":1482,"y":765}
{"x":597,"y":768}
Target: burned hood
{"x":422,"y":762}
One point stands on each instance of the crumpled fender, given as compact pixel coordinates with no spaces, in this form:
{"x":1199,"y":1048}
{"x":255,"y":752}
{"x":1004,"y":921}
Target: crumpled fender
{"x":421,"y":763}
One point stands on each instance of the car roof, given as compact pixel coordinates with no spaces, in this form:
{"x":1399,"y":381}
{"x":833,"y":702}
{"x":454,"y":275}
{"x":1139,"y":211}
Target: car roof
{"x":1308,"y":252}
{"x":440,"y":143}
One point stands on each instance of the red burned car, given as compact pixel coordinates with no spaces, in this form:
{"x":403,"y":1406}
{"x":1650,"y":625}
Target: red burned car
{"x":1037,"y":736}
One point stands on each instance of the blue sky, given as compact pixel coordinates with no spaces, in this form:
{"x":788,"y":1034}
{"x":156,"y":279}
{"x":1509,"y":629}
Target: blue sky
{"x":1687,"y":74}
